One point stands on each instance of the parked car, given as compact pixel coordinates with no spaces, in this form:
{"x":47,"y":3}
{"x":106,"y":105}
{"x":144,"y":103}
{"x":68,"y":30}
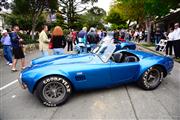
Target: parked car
{"x":109,"y":39}
{"x":54,"y":78}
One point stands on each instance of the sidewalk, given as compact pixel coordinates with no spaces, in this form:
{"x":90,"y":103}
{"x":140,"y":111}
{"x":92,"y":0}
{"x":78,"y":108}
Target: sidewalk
{"x":141,"y":46}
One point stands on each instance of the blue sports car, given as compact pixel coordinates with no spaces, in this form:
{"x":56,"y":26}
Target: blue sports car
{"x":54,"y":78}
{"x":109,"y":39}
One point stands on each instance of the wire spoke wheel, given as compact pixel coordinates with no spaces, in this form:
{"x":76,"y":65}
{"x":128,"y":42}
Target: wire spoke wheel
{"x":54,"y":92}
{"x":153,"y":77}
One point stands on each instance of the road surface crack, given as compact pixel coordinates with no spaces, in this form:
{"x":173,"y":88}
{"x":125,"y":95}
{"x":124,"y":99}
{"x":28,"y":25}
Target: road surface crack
{"x":131,"y":103}
{"x":53,"y":113}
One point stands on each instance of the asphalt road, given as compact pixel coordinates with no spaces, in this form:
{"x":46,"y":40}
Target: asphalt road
{"x":123,"y":102}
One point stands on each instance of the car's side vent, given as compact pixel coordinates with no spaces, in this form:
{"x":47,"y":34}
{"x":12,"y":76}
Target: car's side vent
{"x":80,"y":77}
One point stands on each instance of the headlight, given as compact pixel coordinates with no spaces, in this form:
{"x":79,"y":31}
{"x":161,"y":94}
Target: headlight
{"x":30,"y":64}
{"x":20,"y":78}
{"x":23,"y":85}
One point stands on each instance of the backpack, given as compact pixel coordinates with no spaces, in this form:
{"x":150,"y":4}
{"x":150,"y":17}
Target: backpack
{"x":69,"y":38}
{"x":91,"y":38}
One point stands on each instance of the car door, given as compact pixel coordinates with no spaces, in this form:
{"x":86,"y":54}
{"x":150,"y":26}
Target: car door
{"x":124,"y":72}
{"x":92,"y":76}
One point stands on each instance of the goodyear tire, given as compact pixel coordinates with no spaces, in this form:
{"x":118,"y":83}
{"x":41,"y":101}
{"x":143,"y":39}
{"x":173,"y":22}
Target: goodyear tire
{"x":53,"y":91}
{"x":151,"y":79}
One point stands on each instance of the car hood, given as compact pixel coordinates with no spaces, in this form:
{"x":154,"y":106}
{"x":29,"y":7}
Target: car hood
{"x":64,"y":59}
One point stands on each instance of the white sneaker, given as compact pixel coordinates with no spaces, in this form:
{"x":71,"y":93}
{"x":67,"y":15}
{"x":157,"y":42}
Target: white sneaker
{"x":7,"y":63}
{"x":10,"y":64}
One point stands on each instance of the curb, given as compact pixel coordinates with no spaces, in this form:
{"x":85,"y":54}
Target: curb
{"x":150,"y":50}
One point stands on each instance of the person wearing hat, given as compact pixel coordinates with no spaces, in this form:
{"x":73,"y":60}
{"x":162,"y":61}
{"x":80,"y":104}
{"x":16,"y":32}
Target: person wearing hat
{"x":7,"y":51}
{"x":176,"y":42}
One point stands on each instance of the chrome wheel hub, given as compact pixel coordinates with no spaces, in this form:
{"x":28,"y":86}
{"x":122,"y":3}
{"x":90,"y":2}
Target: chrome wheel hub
{"x":54,"y":91}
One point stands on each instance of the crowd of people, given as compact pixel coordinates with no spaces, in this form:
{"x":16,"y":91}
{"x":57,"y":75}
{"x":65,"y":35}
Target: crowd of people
{"x":82,"y":41}
{"x":174,"y":41}
{"x":13,"y":45}
{"x":55,"y":41}
{"x":58,"y":41}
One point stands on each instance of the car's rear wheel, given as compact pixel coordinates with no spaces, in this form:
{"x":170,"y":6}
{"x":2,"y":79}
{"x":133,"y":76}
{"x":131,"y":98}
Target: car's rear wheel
{"x":151,"y":79}
{"x":53,"y":90}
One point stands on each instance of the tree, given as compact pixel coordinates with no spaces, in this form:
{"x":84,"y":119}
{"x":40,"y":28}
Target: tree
{"x":93,"y":17}
{"x":145,"y":10}
{"x":71,"y":8}
{"x":4,"y":4}
{"x":115,"y":19}
{"x":33,"y":9}
{"x":24,"y":22}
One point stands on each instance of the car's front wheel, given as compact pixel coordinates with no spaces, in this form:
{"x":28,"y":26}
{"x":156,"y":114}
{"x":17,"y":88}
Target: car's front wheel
{"x":151,"y":79}
{"x":53,"y":90}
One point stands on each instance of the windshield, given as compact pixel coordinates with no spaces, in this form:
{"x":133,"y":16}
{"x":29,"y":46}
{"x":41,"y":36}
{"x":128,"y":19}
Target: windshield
{"x":105,"y":49}
{"x":104,"y":42}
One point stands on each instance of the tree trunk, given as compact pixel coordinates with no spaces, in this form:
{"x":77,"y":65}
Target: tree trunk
{"x":148,"y":28}
{"x":34,"y":21}
{"x":33,"y":31}
{"x":33,"y":27}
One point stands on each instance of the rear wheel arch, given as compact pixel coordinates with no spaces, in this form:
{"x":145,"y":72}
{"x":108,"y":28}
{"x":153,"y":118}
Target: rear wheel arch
{"x":144,"y":77}
{"x":162,"y":68}
{"x":159,"y":66}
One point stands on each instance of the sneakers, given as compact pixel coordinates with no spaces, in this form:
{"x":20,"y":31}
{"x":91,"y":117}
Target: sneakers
{"x":23,"y":68}
{"x":13,"y":70}
{"x":10,"y":64}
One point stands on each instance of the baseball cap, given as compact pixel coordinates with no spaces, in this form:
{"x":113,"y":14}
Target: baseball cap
{"x":4,"y":31}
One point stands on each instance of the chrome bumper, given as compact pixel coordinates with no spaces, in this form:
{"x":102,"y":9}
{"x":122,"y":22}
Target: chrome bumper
{"x":23,"y":85}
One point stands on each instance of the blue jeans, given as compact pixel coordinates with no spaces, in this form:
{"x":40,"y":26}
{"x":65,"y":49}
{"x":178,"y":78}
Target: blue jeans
{"x":7,"y":53}
{"x":44,"y":53}
{"x":157,"y":39}
{"x":58,"y":51}
{"x":83,"y":50}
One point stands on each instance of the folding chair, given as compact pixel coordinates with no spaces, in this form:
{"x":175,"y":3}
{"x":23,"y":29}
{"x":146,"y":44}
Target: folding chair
{"x":162,"y":45}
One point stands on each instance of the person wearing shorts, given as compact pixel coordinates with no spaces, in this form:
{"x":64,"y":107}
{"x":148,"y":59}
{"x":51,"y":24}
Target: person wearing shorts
{"x":17,"y":49}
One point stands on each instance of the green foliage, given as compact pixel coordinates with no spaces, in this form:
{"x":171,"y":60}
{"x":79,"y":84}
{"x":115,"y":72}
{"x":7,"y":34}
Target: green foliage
{"x":142,"y":9}
{"x":93,"y":18}
{"x":31,"y":7}
{"x":25,"y":23}
{"x":32,"y":10}
{"x":71,"y":10}
{"x":119,"y":26}
{"x":115,"y":18}
{"x":27,"y":38}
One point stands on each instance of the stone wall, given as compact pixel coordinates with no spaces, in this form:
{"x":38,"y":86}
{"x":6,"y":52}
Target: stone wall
{"x":27,"y":48}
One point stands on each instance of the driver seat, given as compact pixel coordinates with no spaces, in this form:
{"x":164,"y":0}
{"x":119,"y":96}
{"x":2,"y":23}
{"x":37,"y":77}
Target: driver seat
{"x":117,"y":57}
{"x":131,"y":59}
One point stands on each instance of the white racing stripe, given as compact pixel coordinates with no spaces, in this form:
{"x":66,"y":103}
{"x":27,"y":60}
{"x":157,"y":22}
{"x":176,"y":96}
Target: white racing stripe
{"x":9,"y":84}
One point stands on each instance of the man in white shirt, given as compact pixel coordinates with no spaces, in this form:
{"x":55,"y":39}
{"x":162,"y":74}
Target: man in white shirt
{"x":176,"y":32}
{"x":170,"y":42}
{"x":44,"y":41}
{"x":176,"y":37}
